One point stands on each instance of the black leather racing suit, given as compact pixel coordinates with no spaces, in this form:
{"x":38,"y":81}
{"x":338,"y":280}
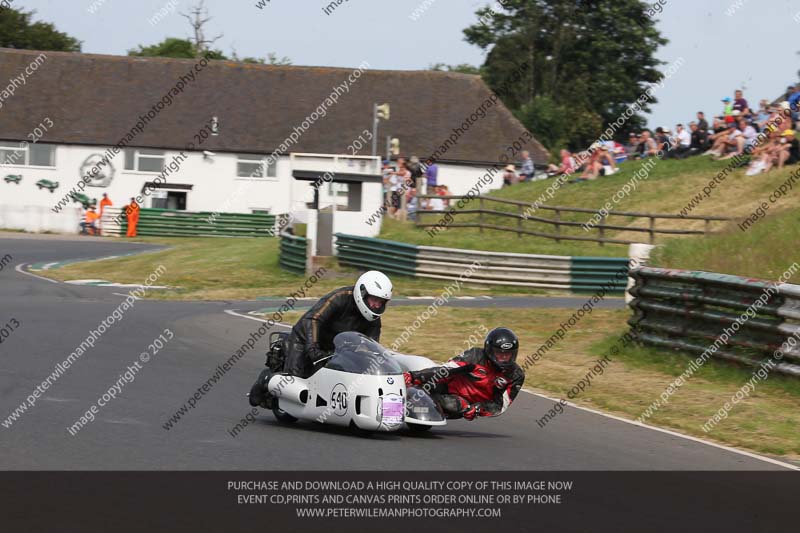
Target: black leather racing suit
{"x":471,"y":379}
{"x":311,"y":338}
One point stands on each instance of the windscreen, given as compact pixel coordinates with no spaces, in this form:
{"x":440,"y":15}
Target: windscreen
{"x":358,"y":354}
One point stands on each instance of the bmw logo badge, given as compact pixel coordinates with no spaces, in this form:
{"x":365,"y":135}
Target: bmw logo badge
{"x":390,"y":381}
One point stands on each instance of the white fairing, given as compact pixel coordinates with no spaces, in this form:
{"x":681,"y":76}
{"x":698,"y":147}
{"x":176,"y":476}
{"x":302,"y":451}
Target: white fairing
{"x":372,"y":402}
{"x":412,"y":363}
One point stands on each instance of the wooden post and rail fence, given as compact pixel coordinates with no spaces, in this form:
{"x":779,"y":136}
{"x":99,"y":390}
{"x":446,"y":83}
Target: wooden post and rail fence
{"x":596,"y":233}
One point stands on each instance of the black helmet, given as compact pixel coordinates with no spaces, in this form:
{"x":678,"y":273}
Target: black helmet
{"x":501,"y":347}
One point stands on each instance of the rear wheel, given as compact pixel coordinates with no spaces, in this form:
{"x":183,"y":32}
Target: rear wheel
{"x":418,"y":428}
{"x":282,"y":415}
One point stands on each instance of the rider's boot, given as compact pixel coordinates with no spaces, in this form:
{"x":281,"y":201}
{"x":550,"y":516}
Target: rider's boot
{"x":259,"y":395}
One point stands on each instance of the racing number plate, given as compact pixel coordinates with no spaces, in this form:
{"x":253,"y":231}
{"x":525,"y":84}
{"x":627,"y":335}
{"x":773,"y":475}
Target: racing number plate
{"x":392,"y":410}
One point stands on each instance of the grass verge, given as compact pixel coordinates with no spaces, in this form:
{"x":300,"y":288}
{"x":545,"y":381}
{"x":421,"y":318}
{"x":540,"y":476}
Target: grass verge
{"x":235,"y":268}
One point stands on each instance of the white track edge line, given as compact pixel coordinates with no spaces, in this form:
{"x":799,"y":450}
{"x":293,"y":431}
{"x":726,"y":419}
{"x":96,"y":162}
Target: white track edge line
{"x":19,"y":268}
{"x":673,"y":433}
{"x":234,"y":313}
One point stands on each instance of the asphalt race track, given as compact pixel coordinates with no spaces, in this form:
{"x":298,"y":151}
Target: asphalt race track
{"x":128,"y":433}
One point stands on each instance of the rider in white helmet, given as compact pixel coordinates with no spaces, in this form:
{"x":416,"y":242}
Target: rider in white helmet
{"x":354,"y":308}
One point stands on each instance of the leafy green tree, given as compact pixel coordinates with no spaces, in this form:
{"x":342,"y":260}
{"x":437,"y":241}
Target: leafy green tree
{"x":464,"y":68}
{"x":17,"y":31}
{"x":172,"y":47}
{"x":588,"y":61}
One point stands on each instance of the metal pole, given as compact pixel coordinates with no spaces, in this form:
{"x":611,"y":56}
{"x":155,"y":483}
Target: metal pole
{"x":374,"y":129}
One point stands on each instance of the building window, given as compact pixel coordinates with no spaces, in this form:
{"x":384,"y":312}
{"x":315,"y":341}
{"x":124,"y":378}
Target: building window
{"x":144,"y":160}
{"x":255,"y":166}
{"x":36,"y":155}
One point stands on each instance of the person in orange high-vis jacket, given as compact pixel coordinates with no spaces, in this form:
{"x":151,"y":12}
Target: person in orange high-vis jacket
{"x":132,"y":212}
{"x":105,"y":202}
{"x":90,"y":224}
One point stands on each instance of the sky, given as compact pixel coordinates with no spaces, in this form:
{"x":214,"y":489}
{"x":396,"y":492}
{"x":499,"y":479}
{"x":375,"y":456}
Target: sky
{"x":724,"y":44}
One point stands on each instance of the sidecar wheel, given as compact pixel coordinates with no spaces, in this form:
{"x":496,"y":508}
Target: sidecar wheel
{"x":418,"y":428}
{"x":283,"y":416}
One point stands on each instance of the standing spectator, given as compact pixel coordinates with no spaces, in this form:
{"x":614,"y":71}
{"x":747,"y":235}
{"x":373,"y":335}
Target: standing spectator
{"x":526,"y":167}
{"x":415,"y":169}
{"x":412,"y":203}
{"x":431,"y":175}
{"x":509,"y":176}
{"x":727,"y":111}
{"x":702,"y":123}
{"x":740,"y":104}
{"x":400,"y":181}
{"x":132,"y":212}
{"x":105,"y":202}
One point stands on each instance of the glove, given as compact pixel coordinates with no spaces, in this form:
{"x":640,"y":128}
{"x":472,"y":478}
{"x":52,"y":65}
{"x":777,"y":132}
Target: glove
{"x":472,"y":411}
{"x":408,"y":379}
{"x":500,"y":382}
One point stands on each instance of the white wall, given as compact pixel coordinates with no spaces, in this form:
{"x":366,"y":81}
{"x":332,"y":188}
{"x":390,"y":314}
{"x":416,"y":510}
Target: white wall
{"x":215,"y":187}
{"x":38,"y":219}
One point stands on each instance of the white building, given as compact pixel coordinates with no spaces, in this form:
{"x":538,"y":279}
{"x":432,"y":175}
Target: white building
{"x":227,"y":137}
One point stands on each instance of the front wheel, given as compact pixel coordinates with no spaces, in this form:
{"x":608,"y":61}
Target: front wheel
{"x":282,"y":415}
{"x":418,"y":428}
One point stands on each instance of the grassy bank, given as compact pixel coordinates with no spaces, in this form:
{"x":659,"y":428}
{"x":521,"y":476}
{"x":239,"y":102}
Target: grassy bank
{"x":669,"y":187}
{"x":764,"y":251}
{"x":766,"y":422}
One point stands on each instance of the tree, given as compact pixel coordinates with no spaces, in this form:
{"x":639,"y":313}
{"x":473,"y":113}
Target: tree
{"x":463,"y":68}
{"x":172,"y":47}
{"x":198,"y":18}
{"x":586,"y":60}
{"x":17,"y":31}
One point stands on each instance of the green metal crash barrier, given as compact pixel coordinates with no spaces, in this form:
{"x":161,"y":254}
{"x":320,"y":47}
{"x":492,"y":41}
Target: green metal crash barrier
{"x":293,"y":253}
{"x":174,"y":223}
{"x":493,"y":268}
{"x":728,"y":317}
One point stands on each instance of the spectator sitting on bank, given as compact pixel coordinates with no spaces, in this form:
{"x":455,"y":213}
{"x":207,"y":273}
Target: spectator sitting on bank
{"x":567,"y":166}
{"x":594,"y":165}
{"x":649,"y":145}
{"x":749,"y":133}
{"x":680,"y":143}
{"x":790,"y":149}
{"x":632,"y":145}
{"x":509,"y":176}
{"x":526,"y":167}
{"x":730,"y":141}
{"x":699,"y":142}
